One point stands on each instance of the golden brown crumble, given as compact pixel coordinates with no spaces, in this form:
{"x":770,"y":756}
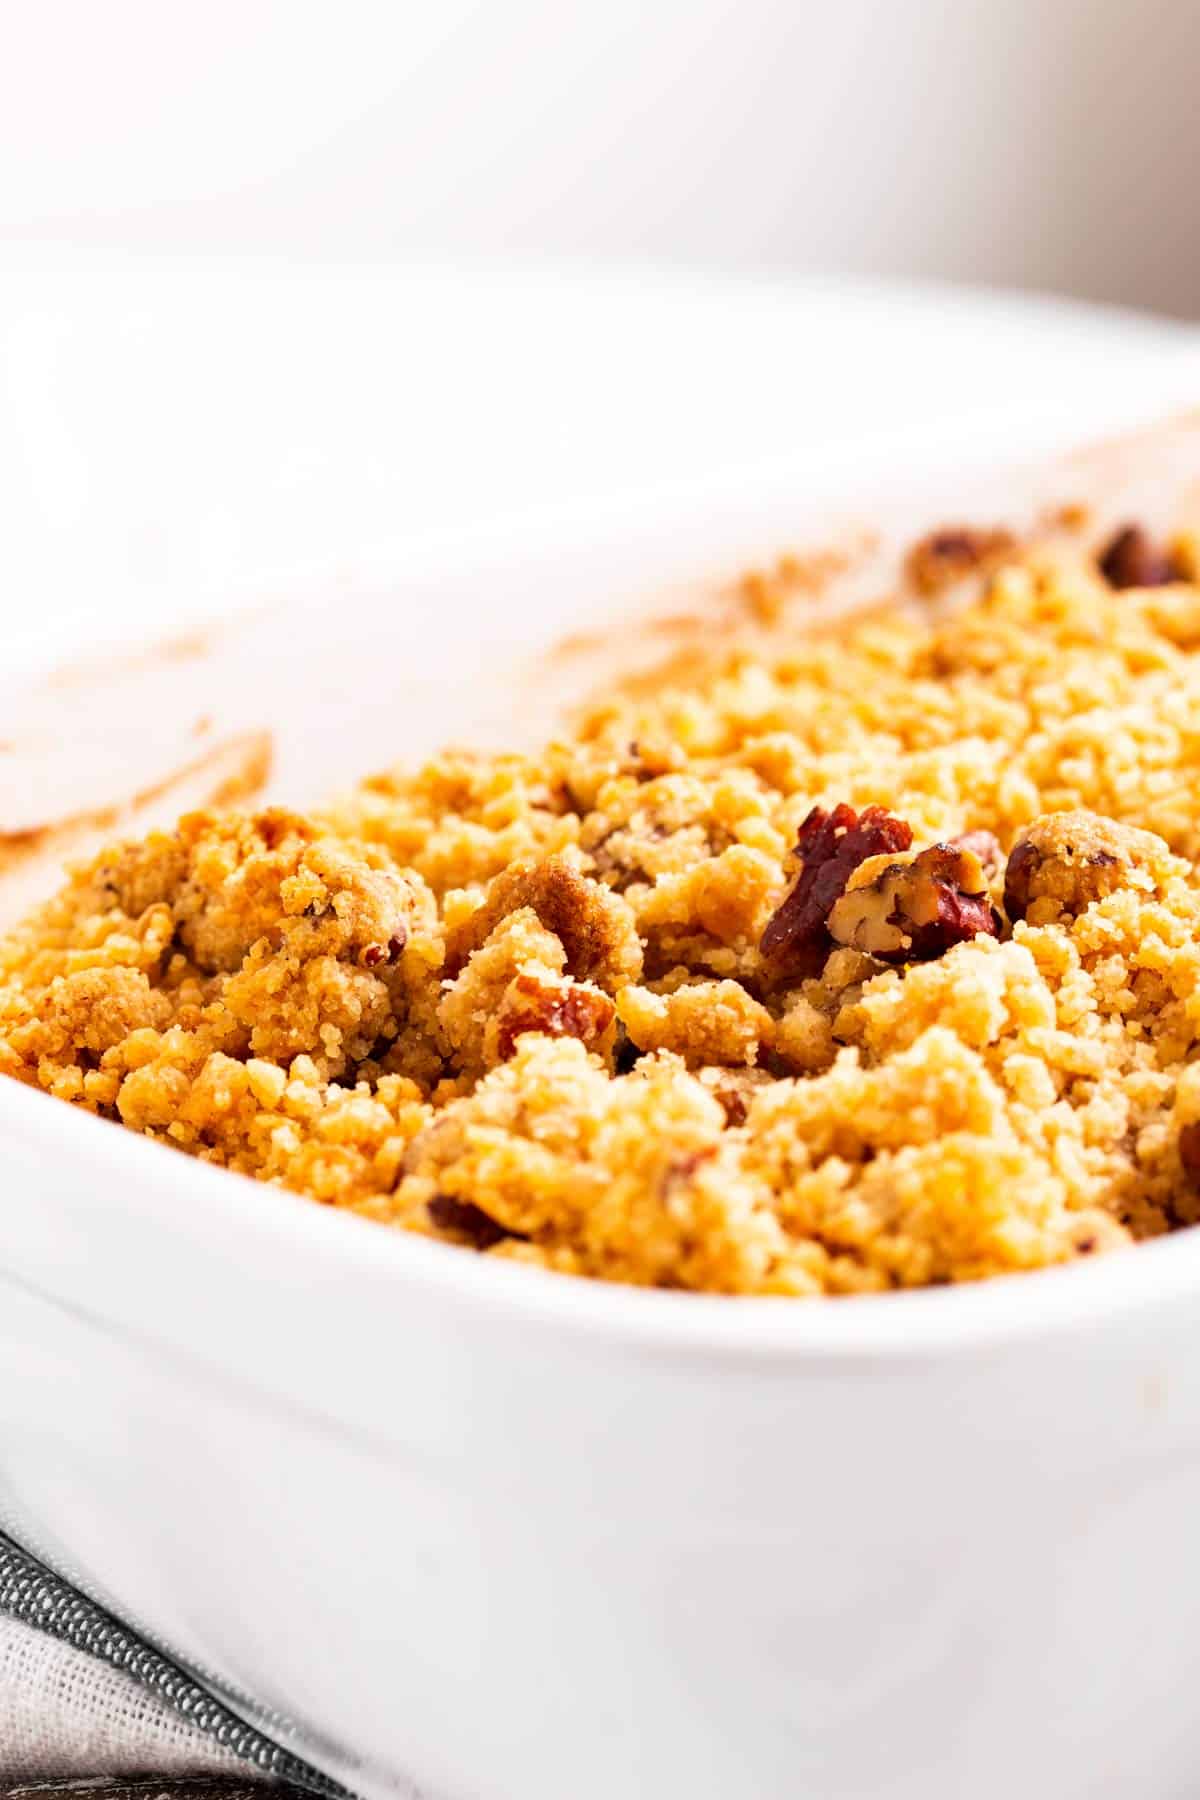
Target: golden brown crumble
{"x":872,"y":964}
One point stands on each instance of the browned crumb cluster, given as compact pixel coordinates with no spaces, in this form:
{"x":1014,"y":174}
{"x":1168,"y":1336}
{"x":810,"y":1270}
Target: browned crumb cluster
{"x":874,"y":965}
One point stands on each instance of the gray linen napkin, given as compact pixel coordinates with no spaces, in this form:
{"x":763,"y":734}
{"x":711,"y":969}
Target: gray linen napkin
{"x":80,"y":1695}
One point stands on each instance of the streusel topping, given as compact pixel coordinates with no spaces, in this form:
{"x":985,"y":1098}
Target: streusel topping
{"x":872,"y":964}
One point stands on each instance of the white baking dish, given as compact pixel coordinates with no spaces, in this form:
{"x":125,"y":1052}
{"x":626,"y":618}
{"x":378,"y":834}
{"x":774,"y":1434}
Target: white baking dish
{"x":472,"y":1530}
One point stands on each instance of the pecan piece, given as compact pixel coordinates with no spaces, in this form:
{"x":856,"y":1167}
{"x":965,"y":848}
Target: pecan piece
{"x":831,"y":845}
{"x":559,"y":1009}
{"x":956,"y":551}
{"x":912,"y":911}
{"x":734,"y":1090}
{"x":465,"y":1220}
{"x":1069,"y":860}
{"x":374,"y":956}
{"x":1131,"y":559}
{"x":983,"y":844}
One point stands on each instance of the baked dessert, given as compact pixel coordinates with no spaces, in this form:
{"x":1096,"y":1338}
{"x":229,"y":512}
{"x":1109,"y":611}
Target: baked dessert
{"x":870,"y":962}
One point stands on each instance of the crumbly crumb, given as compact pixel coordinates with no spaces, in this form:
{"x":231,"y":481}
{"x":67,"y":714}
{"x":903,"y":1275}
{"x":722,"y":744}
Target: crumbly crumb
{"x":873,"y":963}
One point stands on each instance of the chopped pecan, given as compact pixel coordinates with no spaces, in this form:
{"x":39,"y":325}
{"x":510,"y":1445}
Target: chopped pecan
{"x":466,"y":1220}
{"x":559,"y":1009}
{"x":986,"y":846}
{"x":1069,"y":860}
{"x":734,"y":1089}
{"x":953,"y":553}
{"x":374,"y":955}
{"x":831,"y":845}
{"x":1024,"y":862}
{"x":595,"y":926}
{"x":1132,"y":559}
{"x":912,"y":911}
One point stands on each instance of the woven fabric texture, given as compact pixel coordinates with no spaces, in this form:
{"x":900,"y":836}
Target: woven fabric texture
{"x":82,"y":1695}
{"x":63,"y":1713}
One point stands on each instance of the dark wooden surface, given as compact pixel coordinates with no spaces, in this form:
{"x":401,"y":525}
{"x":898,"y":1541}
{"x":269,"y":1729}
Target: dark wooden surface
{"x":151,"y":1787}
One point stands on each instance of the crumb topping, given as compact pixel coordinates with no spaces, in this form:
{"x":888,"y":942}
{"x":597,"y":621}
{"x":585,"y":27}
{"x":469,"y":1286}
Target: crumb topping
{"x":870,"y":963}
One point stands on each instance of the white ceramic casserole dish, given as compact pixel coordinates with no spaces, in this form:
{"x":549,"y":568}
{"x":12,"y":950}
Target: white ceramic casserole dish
{"x":471,"y":1530}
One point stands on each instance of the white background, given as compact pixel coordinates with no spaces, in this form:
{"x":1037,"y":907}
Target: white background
{"x":1052,"y":144}
{"x":283,"y":284}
